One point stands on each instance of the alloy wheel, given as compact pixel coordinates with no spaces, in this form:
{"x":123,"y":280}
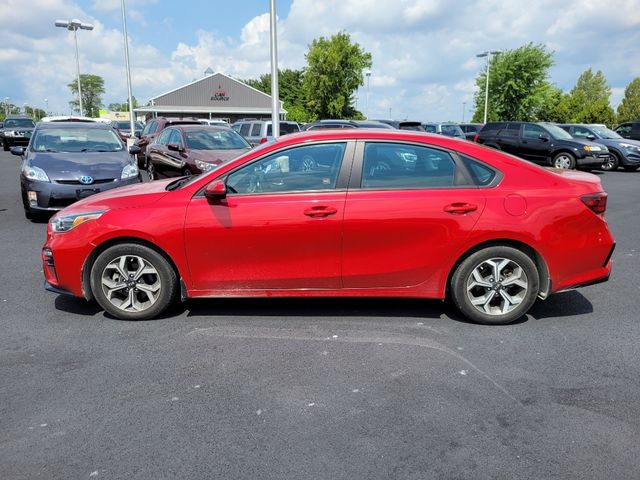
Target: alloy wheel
{"x":562,"y":161}
{"x":497,"y":286}
{"x":131,"y":283}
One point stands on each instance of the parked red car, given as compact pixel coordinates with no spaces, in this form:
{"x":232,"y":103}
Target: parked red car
{"x":152,"y":129}
{"x":191,"y":149}
{"x":382,"y":213}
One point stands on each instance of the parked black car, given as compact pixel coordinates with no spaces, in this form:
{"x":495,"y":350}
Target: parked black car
{"x":332,"y":124}
{"x":629,"y":130}
{"x":622,"y":152}
{"x":16,"y":130}
{"x":68,"y":161}
{"x":404,"y":124}
{"x":543,"y":143}
{"x":471,"y":129}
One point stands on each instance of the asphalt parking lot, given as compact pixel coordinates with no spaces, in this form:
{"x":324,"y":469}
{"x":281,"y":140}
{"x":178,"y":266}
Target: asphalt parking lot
{"x":321,"y":389}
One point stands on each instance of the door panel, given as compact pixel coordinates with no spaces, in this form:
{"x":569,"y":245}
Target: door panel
{"x":265,"y":241}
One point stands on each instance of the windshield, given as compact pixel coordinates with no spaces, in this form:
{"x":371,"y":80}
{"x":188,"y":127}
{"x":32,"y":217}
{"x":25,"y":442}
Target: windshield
{"x":126,"y":125}
{"x":557,"y":132}
{"x":76,"y":139}
{"x":19,"y":123}
{"x":452,"y":131}
{"x":604,"y":132}
{"x":215,"y":140}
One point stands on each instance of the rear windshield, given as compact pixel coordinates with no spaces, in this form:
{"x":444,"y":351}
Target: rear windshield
{"x":284,"y":128}
{"x":76,"y":140}
{"x":19,"y":123}
{"x":215,"y":140}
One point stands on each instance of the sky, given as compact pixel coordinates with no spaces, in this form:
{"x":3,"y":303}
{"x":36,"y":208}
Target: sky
{"x":423,"y":51}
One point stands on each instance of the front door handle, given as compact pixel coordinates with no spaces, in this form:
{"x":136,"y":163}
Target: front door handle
{"x":460,"y":208}
{"x":320,"y":211}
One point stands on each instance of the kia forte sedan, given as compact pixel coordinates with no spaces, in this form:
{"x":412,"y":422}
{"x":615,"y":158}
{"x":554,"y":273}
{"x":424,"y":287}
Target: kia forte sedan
{"x":383,"y":213}
{"x":68,"y":161}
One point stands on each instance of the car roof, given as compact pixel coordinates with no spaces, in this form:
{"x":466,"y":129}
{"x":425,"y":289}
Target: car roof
{"x":71,"y":124}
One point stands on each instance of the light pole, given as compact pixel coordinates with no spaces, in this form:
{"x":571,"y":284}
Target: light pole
{"x":464,"y":104}
{"x":132,"y":124}
{"x":275,"y":105}
{"x":486,"y":90}
{"x":74,"y":25}
{"x":368,"y":74}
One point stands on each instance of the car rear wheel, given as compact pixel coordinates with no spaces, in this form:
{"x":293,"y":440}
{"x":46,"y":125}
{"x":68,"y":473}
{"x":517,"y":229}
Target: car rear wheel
{"x":133,"y":282}
{"x":495,"y":285}
{"x":611,"y":163}
{"x":564,"y":160}
{"x":630,"y":168}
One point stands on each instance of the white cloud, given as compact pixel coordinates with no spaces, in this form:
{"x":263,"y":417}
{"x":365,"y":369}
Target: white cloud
{"x":424,"y":63}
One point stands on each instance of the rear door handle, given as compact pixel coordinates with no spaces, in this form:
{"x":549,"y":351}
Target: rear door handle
{"x":320,"y":211}
{"x":459,"y":208}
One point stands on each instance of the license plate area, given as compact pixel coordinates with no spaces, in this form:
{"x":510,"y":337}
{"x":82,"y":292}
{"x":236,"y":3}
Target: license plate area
{"x":86,"y":192}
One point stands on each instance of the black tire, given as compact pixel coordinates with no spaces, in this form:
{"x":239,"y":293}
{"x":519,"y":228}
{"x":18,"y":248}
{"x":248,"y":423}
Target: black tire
{"x":564,"y":160}
{"x":464,"y":285}
{"x":163,"y":279}
{"x":630,"y":168}
{"x":611,"y":163}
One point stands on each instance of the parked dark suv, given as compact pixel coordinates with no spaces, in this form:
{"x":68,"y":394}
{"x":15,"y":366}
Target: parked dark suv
{"x":16,"y":130}
{"x":629,"y":130}
{"x":151,"y":130}
{"x":542,"y":143}
{"x":622,"y":152}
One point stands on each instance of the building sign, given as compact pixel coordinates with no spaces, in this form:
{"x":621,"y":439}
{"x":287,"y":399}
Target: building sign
{"x":220,"y":95}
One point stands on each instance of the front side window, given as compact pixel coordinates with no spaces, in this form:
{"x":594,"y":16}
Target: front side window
{"x":511,"y":130}
{"x":176,"y":138}
{"x":532,"y":132}
{"x":244,"y":129}
{"x":148,"y":128}
{"x":306,"y":168}
{"x":76,"y":139}
{"x":163,"y":138}
{"x":404,"y":166}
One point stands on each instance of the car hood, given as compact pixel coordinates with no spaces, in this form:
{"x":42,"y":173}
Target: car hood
{"x":615,"y":142}
{"x":71,"y":166}
{"x":217,"y":157}
{"x":131,"y":196}
{"x":579,"y":142}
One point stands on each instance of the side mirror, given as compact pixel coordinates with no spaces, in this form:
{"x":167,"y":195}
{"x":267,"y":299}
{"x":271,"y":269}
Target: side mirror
{"x":216,"y":190}
{"x":137,"y":134}
{"x":544,"y":137}
{"x":134,"y":150}
{"x":18,"y":151}
{"x":174,"y":147}
{"x":591,"y":137}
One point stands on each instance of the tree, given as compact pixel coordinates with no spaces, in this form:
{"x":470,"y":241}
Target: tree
{"x":518,"y":85}
{"x":589,"y":99}
{"x":92,"y":89}
{"x":334,"y":72}
{"x":290,"y":91}
{"x":629,"y":108}
{"x":124,"y":106}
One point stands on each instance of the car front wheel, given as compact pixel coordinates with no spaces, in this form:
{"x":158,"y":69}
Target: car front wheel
{"x":564,"y":160}
{"x":611,"y":163}
{"x":495,"y":285}
{"x":133,"y":282}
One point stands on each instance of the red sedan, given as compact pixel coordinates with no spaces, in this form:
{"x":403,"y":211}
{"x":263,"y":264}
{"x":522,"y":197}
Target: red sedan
{"x":374,"y":213}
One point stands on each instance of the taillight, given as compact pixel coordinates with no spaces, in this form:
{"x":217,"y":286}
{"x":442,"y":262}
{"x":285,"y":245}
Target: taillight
{"x":597,"y":202}
{"x":263,"y":140}
{"x":475,"y":137}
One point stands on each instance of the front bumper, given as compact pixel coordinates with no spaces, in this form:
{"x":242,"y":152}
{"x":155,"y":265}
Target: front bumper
{"x":54,"y":196}
{"x":593,"y":160}
{"x":630,"y":158}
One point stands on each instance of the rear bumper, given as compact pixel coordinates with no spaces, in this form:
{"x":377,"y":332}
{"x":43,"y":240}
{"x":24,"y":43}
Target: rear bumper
{"x":592,"y":277}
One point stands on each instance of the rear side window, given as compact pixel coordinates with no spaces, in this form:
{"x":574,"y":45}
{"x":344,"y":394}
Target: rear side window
{"x":244,"y":129}
{"x":255,"y":130}
{"x":481,"y":174}
{"x":510,"y":130}
{"x":492,"y":128}
{"x":404,"y":166}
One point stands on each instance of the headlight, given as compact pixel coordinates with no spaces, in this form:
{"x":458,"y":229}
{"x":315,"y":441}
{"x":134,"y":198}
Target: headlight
{"x":35,"y":173}
{"x":628,"y":146}
{"x":64,"y":223}
{"x":592,"y":148}
{"x":204,"y":166}
{"x":129,"y":171}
